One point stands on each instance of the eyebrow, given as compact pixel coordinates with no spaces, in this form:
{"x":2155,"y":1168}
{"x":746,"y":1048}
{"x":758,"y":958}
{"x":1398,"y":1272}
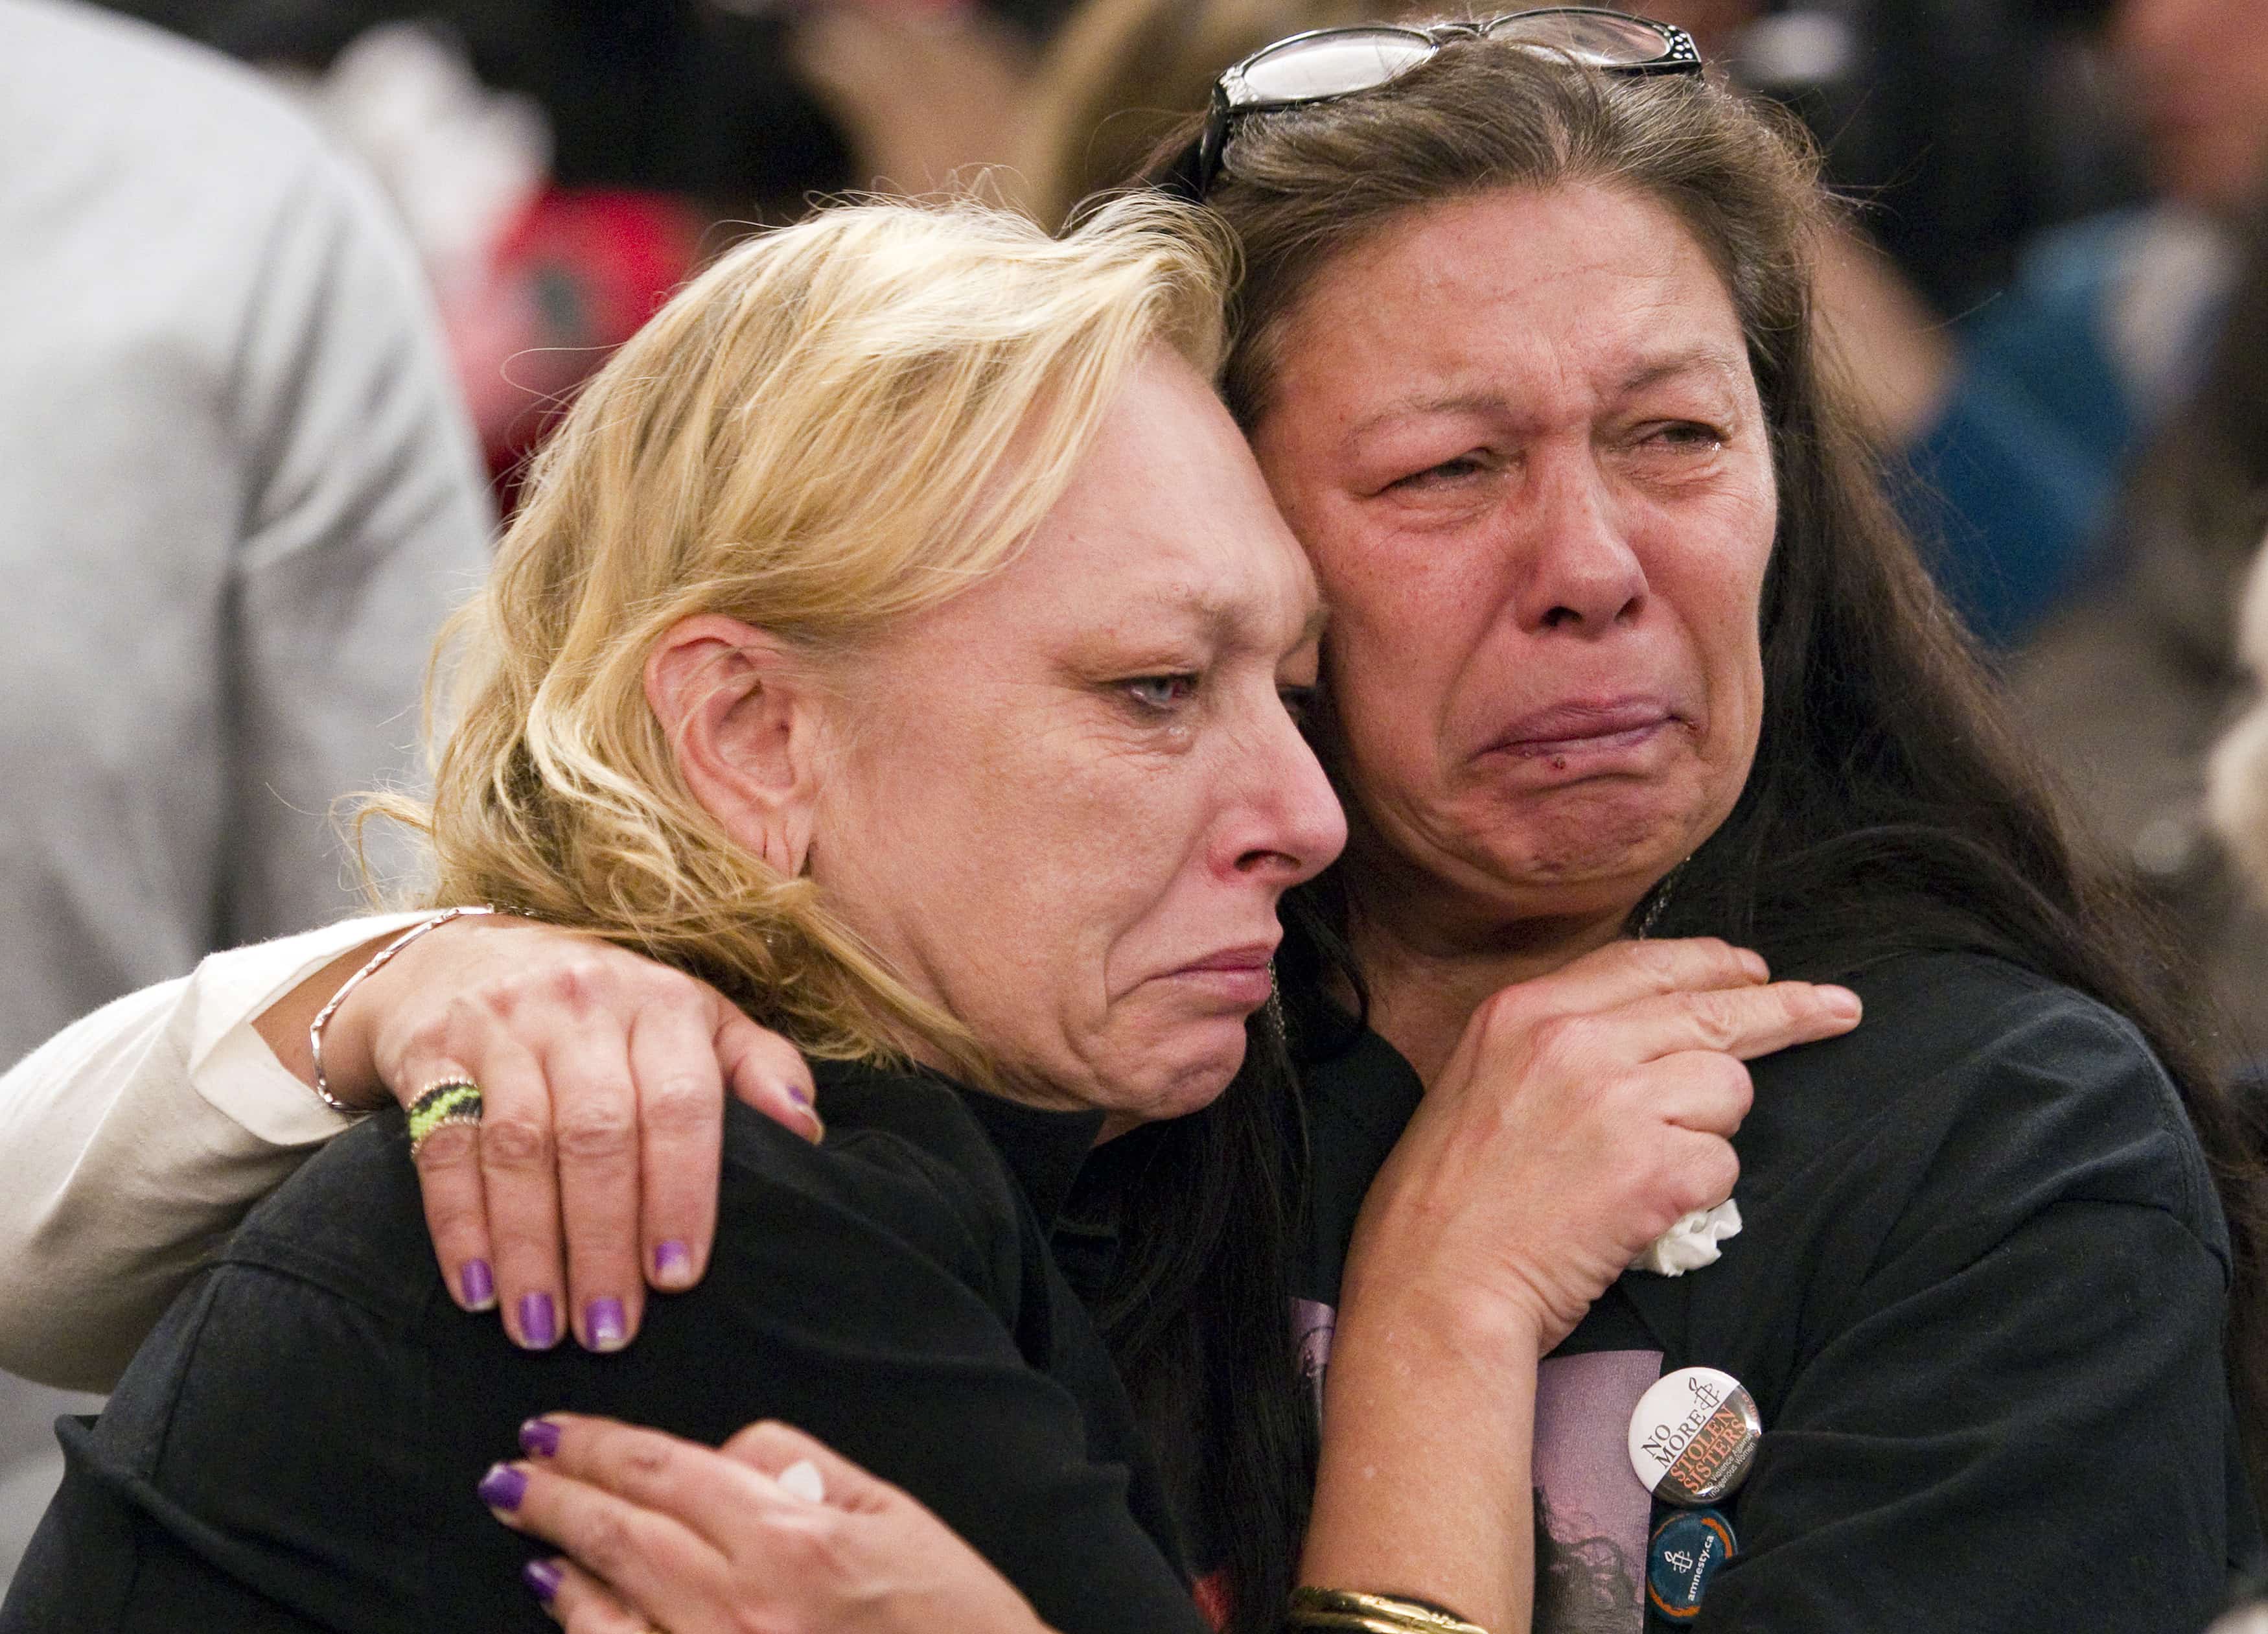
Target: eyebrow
{"x":1695,"y":360}
{"x":1459,"y":402}
{"x":1700,"y":359}
{"x":1221,"y":618}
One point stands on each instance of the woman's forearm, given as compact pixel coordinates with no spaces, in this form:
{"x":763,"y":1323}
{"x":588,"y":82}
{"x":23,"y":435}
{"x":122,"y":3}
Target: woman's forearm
{"x":1578,"y":1116}
{"x":1429,"y":1414}
{"x":135,"y":1139}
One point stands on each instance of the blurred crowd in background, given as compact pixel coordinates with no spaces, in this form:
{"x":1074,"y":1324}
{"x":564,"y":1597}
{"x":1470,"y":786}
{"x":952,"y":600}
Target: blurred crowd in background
{"x":560,"y":164}
{"x":2053,"y":303}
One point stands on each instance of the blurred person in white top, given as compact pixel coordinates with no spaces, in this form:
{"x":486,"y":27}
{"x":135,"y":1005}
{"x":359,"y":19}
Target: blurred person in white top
{"x":237,"y":495}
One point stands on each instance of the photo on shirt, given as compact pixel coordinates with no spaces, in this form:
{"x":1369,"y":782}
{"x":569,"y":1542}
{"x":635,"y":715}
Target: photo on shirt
{"x":1591,"y":1512}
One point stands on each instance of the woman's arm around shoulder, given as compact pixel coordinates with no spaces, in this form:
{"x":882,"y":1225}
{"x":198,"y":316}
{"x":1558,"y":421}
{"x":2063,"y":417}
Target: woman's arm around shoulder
{"x":148,"y":1128}
{"x":136,"y":1138}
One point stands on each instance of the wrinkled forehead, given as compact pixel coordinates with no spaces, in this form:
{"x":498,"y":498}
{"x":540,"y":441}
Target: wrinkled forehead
{"x":1520,"y":289}
{"x":1166,"y":528}
{"x":1195,"y":549}
{"x":1374,"y":272}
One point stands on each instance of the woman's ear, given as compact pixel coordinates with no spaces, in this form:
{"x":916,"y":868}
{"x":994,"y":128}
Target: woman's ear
{"x":743,"y":714}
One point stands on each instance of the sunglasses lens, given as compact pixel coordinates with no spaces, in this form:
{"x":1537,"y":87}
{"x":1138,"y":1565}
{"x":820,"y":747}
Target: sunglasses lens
{"x":1596,"y":40}
{"x":1333,"y":64}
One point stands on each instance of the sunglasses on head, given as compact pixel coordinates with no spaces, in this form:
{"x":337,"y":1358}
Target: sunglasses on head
{"x":1324,"y":64}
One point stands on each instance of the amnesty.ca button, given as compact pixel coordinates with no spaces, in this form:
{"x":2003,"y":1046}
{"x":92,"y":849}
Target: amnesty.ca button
{"x":1693,"y":1436}
{"x":1682,"y":1556}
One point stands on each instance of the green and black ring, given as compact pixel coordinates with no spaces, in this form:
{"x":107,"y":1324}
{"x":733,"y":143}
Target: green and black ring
{"x":452,"y":1100}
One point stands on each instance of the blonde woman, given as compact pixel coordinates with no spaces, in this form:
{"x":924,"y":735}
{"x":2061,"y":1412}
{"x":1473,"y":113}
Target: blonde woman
{"x":896,"y":639}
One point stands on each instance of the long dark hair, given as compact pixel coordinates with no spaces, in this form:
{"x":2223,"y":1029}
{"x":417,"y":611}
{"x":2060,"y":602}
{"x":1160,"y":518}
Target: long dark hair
{"x":1196,"y":1317}
{"x":1886,"y":780}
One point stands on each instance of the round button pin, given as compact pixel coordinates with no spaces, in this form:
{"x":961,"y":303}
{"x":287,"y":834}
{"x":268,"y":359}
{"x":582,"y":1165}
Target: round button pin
{"x":1693,"y":1436}
{"x":1681,"y":1557}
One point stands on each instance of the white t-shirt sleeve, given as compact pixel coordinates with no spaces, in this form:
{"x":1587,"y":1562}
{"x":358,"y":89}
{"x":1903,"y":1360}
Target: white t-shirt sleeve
{"x":136,"y":1139}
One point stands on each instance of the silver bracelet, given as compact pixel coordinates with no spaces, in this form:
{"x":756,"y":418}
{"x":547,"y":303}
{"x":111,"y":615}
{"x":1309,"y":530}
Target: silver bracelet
{"x":432,"y":922}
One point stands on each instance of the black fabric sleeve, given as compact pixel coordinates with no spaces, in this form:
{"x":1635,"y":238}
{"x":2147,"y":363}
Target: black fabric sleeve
{"x":301,"y":1443}
{"x":258,"y":1467}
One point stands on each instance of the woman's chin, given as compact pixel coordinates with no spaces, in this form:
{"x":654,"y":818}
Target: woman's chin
{"x":1586,"y":859}
{"x":1175,"y":1074}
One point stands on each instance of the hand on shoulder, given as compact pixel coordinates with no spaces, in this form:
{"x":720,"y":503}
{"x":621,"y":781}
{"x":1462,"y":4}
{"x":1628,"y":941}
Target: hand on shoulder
{"x":586,"y":1170}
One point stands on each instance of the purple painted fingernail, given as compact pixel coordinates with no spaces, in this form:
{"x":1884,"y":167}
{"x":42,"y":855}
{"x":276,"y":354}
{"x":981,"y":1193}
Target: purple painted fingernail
{"x":673,"y":1262}
{"x":542,"y":1578}
{"x":503,"y":1487}
{"x":539,"y":1438}
{"x":797,"y":1093}
{"x":605,"y":1327}
{"x":479,"y":1285}
{"x":539,"y":1322}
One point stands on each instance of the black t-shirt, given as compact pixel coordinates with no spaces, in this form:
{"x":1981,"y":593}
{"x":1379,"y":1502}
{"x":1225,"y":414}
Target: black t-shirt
{"x":1978,"y":1296}
{"x":297,"y":1446}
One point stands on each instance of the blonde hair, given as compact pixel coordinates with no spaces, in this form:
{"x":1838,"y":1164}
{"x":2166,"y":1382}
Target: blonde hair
{"x":838,"y":424}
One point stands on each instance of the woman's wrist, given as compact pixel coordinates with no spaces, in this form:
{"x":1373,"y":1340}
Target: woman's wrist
{"x":283,"y":1026}
{"x":1475,"y":1336}
{"x":323,"y":1031}
{"x":360,"y":1074}
{"x":1489,"y":1309}
{"x":1353,"y":1610}
{"x":1474,"y":1316}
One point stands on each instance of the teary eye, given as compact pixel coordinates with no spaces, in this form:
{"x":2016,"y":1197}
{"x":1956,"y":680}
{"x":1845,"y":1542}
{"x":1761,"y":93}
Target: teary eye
{"x":1462,"y":467}
{"x":1160,"y":692}
{"x":1685,"y":434}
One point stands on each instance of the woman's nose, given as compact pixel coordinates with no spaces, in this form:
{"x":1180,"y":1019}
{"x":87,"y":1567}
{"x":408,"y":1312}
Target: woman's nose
{"x":1577,"y":571}
{"x":1293,"y":827}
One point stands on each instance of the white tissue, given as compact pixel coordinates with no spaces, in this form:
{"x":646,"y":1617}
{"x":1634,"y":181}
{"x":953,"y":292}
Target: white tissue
{"x":802,"y":1478}
{"x":1692,"y":1242}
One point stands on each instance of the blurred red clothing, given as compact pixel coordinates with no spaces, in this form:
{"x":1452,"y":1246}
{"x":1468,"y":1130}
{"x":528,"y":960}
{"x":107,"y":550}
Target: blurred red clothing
{"x":569,"y":281}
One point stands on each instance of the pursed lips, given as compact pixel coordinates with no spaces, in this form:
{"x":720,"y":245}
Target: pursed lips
{"x":1238,"y":974}
{"x":1584,"y":726}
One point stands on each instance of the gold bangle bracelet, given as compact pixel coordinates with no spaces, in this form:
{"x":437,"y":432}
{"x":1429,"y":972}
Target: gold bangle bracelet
{"x":1372,"y":1614}
{"x":1353,"y":1622}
